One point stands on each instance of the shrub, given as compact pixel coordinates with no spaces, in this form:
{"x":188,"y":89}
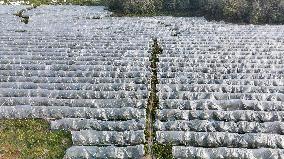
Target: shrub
{"x":173,"y":5}
{"x":239,"y":11}
{"x":134,"y":6}
{"x":236,"y":10}
{"x":267,"y":11}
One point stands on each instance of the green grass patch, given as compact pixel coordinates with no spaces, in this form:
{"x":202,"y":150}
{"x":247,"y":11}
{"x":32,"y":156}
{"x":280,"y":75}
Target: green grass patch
{"x":32,"y":138}
{"x":162,"y":151}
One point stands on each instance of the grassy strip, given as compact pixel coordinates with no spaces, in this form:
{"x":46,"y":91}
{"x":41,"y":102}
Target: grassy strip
{"x":31,"y":138}
{"x":159,"y":151}
{"x":153,"y":101}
